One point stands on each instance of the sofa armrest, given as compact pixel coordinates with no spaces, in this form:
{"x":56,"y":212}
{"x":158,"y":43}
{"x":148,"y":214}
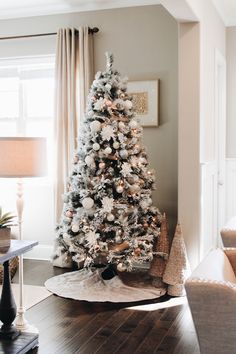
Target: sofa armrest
{"x":231,"y":255}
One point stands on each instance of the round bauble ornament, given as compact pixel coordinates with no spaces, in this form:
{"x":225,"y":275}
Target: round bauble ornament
{"x":102,"y":165}
{"x":121,"y":267}
{"x":119,"y":189}
{"x":133,"y":124}
{"x":87,"y":203}
{"x":75,"y":228}
{"x":66,"y":220}
{"x":108,"y":87}
{"x":69,"y":214}
{"x":89,"y":160}
{"x":108,"y":150}
{"x":121,"y":125}
{"x":96,"y":146}
{"x":110,"y":217}
{"x":108,"y":103}
{"x":123,"y":154}
{"x":95,"y":126}
{"x":116,"y":145}
{"x":128,"y":104}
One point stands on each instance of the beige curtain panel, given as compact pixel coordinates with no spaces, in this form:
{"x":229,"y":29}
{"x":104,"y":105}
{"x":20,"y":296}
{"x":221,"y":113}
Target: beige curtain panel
{"x":73,"y":76}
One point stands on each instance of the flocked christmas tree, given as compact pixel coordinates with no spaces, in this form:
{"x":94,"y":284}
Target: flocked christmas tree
{"x":108,"y":216}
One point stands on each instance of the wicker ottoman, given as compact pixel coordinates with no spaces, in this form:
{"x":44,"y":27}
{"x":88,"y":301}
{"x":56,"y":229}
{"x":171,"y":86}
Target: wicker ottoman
{"x":228,"y":233}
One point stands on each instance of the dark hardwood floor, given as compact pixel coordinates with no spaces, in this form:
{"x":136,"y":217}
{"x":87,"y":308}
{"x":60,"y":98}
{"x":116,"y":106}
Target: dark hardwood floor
{"x":68,"y":326}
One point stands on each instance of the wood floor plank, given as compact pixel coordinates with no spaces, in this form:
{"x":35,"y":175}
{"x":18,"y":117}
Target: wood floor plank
{"x":79,"y":327}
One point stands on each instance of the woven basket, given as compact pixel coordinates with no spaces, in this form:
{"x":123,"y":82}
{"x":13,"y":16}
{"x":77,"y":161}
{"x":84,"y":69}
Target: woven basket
{"x":13,"y":265}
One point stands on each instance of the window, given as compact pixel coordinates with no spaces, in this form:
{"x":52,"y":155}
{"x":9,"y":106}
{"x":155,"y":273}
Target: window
{"x":26,"y":109}
{"x":26,"y":99}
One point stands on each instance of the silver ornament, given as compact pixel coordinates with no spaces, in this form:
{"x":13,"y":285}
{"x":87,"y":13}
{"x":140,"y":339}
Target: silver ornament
{"x":108,"y":150}
{"x":95,"y":126}
{"x":116,"y":145}
{"x":96,"y":146}
{"x":75,"y":228}
{"x":123,"y":154}
{"x":110,"y":217}
{"x":119,"y":189}
{"x":87,"y":203}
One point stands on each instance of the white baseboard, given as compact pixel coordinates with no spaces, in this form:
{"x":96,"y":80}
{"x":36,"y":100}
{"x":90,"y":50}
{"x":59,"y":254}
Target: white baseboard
{"x":40,"y":252}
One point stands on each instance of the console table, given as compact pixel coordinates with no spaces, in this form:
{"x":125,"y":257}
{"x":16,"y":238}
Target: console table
{"x":13,"y":341}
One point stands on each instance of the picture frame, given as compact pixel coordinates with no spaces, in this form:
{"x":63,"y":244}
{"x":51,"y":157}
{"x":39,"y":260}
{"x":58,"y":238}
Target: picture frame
{"x":145,"y":101}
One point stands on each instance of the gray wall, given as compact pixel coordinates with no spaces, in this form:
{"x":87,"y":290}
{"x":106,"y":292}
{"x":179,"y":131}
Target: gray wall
{"x":144,"y":41}
{"x":231,"y":89}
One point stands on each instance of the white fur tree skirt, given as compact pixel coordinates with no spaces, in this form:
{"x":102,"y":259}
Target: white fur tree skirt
{"x":88,"y":285}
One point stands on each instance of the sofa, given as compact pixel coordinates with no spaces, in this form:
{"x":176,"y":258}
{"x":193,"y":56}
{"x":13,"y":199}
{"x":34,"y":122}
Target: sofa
{"x":211,"y":293}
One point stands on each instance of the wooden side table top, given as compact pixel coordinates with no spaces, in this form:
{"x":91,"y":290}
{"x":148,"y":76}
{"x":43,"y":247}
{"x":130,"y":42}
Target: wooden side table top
{"x":17,"y":248}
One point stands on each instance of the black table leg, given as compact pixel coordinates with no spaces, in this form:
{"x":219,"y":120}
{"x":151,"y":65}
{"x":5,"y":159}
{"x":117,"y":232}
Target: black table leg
{"x":7,"y":307}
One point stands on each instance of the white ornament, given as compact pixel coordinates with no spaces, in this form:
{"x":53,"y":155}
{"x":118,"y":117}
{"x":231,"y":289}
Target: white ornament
{"x":133,"y":124}
{"x":108,"y":87}
{"x":96,"y":146}
{"x":107,"y":132}
{"x":102,"y":165}
{"x":128,"y":104}
{"x":121,"y":267}
{"x":87,"y":203}
{"x":119,"y":189}
{"x":121,"y":125}
{"x":123,"y":154}
{"x":126,"y":169}
{"x":89,"y":160}
{"x":119,"y":104}
{"x":110,"y":217}
{"x":99,"y":104}
{"x":95,"y":126}
{"x":75,"y":228}
{"x":107,"y":204}
{"x":116,"y":145}
{"x":91,"y":237}
{"x":108,"y":151}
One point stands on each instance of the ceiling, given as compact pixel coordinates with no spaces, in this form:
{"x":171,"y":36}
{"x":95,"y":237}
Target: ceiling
{"x":25,"y":8}
{"x":227,"y":11}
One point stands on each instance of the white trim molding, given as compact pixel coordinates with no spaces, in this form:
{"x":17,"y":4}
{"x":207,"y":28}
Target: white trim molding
{"x":230,"y":187}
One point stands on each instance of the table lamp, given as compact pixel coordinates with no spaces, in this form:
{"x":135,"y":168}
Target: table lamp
{"x":22,"y":157}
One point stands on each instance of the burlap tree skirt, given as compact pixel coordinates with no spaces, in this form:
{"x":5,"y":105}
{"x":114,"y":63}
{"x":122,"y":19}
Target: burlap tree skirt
{"x":90,"y":286}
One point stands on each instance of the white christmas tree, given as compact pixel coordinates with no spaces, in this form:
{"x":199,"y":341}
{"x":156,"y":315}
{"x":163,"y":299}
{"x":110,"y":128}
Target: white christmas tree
{"x":108,"y":216}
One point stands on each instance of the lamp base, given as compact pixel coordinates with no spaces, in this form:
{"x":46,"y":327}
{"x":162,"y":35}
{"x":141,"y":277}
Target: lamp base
{"x":23,"y":326}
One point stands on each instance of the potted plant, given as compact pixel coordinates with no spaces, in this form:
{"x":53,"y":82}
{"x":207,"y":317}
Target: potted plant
{"x":6,"y":221}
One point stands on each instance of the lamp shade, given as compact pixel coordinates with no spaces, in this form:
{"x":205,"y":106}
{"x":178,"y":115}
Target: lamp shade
{"x":22,"y":157}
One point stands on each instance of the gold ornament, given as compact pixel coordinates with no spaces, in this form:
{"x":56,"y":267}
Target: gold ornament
{"x":137,"y":251}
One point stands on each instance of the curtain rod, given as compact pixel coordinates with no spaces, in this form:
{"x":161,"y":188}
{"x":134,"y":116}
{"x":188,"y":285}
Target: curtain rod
{"x":91,"y":30}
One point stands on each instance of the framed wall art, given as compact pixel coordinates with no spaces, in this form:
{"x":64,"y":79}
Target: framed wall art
{"x":145,"y":101}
